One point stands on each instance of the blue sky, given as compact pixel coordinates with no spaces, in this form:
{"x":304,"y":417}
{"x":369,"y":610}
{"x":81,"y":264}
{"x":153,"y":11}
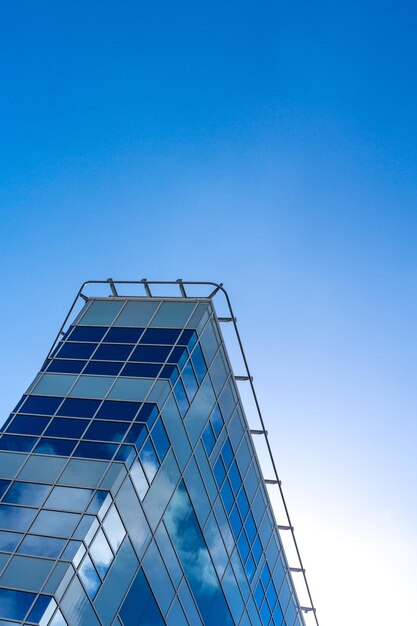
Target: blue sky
{"x":271,"y":146}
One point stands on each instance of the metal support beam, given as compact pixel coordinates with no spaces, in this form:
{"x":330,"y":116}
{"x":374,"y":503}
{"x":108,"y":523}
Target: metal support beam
{"x":181,"y":286}
{"x":213,"y":293}
{"x":283,"y":527}
{"x":272,"y":481}
{"x":308,"y":609}
{"x":297,"y":569}
{"x":226,"y":319}
{"x":145,"y":284}
{"x":253,"y":431}
{"x":112,"y":287}
{"x":243,"y":377}
{"x":83,"y":297}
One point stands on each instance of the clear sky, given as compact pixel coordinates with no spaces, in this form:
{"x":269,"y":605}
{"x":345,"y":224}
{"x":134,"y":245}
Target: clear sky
{"x":268,"y":145}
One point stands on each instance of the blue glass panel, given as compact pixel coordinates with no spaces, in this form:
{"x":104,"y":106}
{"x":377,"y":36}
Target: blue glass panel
{"x":179,"y":356}
{"x":71,"y":550}
{"x":160,"y":439}
{"x":112,"y":352}
{"x":66,"y":427}
{"x":149,"y":460}
{"x":188,"y":338}
{"x":106,"y":431}
{"x":15,"y":517}
{"x":217,"y":420}
{"x":250,"y":527}
{"x":189,"y":543}
{"x":199,"y":363}
{"x":250,"y":568}
{"x":17,"y":443}
{"x":40,"y":607}
{"x":28,"y":425}
{"x":69,"y":499}
{"x":148,"y":413}
{"x":137,"y":434}
{"x":189,"y":380}
{"x":41,"y":546}
{"x":141,"y":370}
{"x":259,"y":594}
{"x":15,"y":604}
{"x":235,"y":522}
{"x":171,"y":372}
{"x":66,"y":366}
{"x":265,"y":613}
{"x":150,"y":354}
{"x":95,"y":450}
{"x":234,"y":477}
{"x":126,"y":453}
{"x":87,"y":333}
{"x":41,"y":405}
{"x":74,"y":407}
{"x":89,"y":577}
{"x":101,"y":554}
{"x":181,"y":397}
{"x":278,"y":616}
{"x":97,"y":501}
{"x":165,"y":336}
{"x":265,"y":576}
{"x":61,"y":447}
{"x":106,"y":368}
{"x":257,"y":550}
{"x":27,"y":493}
{"x":9,"y":541}
{"x":114,"y":529}
{"x":243,"y":503}
{"x":227,"y":454}
{"x":55,"y":523}
{"x":227,"y":496}
{"x":3,"y":486}
{"x":243,"y":546}
{"x":219,"y":472}
{"x":271,"y":595}
{"x":123,"y":335}
{"x":111,"y":409}
{"x":145,"y":612}
{"x":76,"y":350}
{"x":208,"y":439}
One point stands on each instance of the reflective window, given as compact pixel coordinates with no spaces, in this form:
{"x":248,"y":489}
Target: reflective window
{"x":15,"y":604}
{"x":74,"y":407}
{"x":149,"y":460}
{"x":106,"y":431}
{"x":160,"y":439}
{"x":66,"y":427}
{"x":188,"y":541}
{"x":112,"y":409}
{"x":189,"y":381}
{"x":69,"y":499}
{"x":144,"y":612}
{"x":28,"y":425}
{"x":101,"y":554}
{"x":42,"y":604}
{"x":17,"y":443}
{"x":41,"y":405}
{"x":141,"y":370}
{"x":150,"y":354}
{"x":199,"y":363}
{"x":166,"y":336}
{"x":55,"y":523}
{"x":112,"y":352}
{"x":27,"y":493}
{"x":123,"y":335}
{"x":9,"y":541}
{"x":15,"y":517}
{"x":106,"y":368}
{"x":181,"y":397}
{"x":66,"y":366}
{"x":3,"y":486}
{"x":89,"y":577}
{"x":114,"y":528}
{"x":41,"y":546}
{"x":76,"y":350}
{"x":86,"y":333}
{"x":59,"y":447}
{"x":95,"y":450}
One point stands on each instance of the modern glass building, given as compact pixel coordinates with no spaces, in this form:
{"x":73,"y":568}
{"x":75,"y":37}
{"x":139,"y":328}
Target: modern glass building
{"x":131,"y":493}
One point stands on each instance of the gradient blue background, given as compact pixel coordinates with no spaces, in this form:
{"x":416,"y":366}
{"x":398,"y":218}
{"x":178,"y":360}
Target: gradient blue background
{"x":271,"y":146}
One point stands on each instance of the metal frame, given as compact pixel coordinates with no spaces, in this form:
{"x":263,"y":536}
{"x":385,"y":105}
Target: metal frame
{"x":215,"y":288}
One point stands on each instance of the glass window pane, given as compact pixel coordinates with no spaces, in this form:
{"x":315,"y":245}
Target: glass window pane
{"x":67,"y":366}
{"x":95,"y":450}
{"x":69,"y":498}
{"x":149,"y":460}
{"x":103,"y":368}
{"x":150,"y":354}
{"x":160,"y":439}
{"x":173,"y":314}
{"x":114,"y":528}
{"x":136,"y":314}
{"x":84,"y":333}
{"x":41,"y":405}
{"x":15,"y":517}
{"x":66,"y":427}
{"x":28,"y":425}
{"x":91,"y":386}
{"x":112,"y":352}
{"x":55,"y":523}
{"x":9,"y":541}
{"x":101,"y":554}
{"x":41,"y":546}
{"x":106,"y":431}
{"x":123,"y":335}
{"x":15,"y":604}
{"x":76,"y":350}
{"x":60,"y":447}
{"x":72,"y":407}
{"x":111,"y":409}
{"x":89,"y":577}
{"x":101,"y":313}
{"x":27,"y":493}
{"x":164,"y":336}
{"x":17,"y":443}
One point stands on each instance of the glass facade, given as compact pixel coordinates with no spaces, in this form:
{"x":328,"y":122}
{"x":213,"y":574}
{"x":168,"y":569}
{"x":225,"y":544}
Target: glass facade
{"x":130,"y":491}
